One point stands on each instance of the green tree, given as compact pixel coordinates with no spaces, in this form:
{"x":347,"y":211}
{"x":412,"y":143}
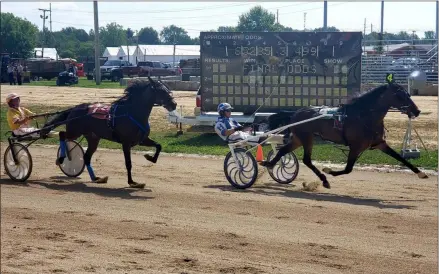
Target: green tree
{"x":226,"y":29}
{"x":149,"y":36}
{"x":19,"y":36}
{"x":173,"y":34}
{"x":257,"y":19}
{"x":429,"y":35}
{"x":113,"y":35}
{"x":327,"y":29}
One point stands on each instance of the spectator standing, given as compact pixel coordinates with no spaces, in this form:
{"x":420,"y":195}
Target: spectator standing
{"x":11,"y":74}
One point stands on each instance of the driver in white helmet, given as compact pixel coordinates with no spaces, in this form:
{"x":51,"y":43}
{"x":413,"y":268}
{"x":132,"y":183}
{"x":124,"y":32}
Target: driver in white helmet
{"x":18,"y":117}
{"x":227,"y":128}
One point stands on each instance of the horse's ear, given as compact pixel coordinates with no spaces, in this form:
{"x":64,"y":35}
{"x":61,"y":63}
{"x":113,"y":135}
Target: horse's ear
{"x":390,"y":78}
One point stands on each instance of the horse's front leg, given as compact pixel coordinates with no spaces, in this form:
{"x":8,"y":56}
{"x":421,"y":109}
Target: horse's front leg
{"x":147,"y":142}
{"x":352,"y":158}
{"x":127,"y":154}
{"x":384,"y":147}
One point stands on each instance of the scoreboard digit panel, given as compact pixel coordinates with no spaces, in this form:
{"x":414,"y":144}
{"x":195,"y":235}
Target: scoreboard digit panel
{"x":279,"y":70}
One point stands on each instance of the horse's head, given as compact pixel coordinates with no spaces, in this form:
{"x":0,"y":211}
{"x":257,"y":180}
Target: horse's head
{"x":163,"y":95}
{"x":398,"y":97}
{"x":151,"y":92}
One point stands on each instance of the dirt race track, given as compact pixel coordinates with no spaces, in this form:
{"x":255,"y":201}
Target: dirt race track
{"x":189,"y":220}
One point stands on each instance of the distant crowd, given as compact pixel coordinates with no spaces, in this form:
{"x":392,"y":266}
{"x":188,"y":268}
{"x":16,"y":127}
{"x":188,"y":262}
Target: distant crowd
{"x":15,"y":73}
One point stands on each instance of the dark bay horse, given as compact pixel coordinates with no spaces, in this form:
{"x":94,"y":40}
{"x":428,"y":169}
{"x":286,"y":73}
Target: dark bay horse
{"x":361,"y":128}
{"x":124,"y":121}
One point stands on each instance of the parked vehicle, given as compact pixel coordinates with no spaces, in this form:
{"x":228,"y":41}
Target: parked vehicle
{"x":112,"y":69}
{"x":66,"y":78}
{"x":44,"y":68}
{"x":155,"y":68}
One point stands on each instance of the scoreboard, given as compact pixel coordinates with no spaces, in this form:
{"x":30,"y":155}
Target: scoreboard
{"x":272,"y":71}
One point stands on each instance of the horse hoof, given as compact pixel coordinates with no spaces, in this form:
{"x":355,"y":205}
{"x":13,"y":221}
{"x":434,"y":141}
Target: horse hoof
{"x":136,"y":185}
{"x":327,"y":170}
{"x":422,"y":175}
{"x":266,"y":164}
{"x":326,"y":185}
{"x":59,"y":161}
{"x":101,"y":180}
{"x":150,"y":158}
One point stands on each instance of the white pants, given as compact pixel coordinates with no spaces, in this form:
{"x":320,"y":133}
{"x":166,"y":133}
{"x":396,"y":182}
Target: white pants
{"x":242,"y":135}
{"x":26,"y":130}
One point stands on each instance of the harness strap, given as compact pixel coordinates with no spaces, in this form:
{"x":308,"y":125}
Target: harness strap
{"x":113,"y":117}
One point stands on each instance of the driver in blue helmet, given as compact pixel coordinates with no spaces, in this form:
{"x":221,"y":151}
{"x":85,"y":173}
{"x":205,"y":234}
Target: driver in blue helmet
{"x":227,"y":128}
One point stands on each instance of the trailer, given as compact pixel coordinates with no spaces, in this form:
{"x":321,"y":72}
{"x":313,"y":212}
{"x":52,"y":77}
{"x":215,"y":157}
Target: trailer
{"x":262,"y":73}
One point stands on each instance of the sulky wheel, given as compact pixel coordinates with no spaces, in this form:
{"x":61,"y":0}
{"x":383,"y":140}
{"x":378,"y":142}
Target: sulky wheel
{"x":244,"y":174}
{"x":73,"y":165}
{"x":286,"y":169}
{"x":18,"y":171}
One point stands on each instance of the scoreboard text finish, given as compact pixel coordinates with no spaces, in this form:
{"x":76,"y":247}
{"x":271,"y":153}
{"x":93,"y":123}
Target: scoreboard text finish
{"x":279,"y":70}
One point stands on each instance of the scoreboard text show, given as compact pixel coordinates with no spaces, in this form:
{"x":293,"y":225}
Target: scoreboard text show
{"x":279,"y":70}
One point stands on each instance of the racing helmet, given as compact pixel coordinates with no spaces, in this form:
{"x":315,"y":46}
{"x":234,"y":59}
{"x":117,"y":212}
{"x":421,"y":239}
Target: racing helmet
{"x":11,"y":96}
{"x":223,"y":107}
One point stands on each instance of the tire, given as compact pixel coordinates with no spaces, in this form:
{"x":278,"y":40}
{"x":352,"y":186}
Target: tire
{"x":245,"y":178}
{"x":286,"y":170}
{"x":22,"y":171}
{"x":75,"y":166}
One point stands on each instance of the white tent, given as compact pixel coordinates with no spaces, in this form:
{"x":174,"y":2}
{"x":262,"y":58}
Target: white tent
{"x":124,"y":51}
{"x":111,"y":53}
{"x":164,"y":53}
{"x":48,"y":53}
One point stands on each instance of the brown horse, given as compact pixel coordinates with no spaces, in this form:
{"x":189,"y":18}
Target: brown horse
{"x":361,"y":128}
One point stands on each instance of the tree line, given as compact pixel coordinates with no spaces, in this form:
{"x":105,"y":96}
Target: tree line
{"x":20,"y":37}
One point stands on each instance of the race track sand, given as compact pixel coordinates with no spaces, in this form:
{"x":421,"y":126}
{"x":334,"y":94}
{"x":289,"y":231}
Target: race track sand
{"x":188,"y":219}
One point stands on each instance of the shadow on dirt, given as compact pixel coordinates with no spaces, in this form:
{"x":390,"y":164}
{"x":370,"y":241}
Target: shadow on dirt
{"x":327,"y":197}
{"x":64,"y":184}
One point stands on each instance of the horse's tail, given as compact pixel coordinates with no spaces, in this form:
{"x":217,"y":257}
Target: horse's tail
{"x":56,"y":120}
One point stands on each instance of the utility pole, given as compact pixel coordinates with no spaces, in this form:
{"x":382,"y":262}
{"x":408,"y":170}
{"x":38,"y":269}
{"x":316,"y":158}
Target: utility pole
{"x":173,"y":55}
{"x":325,"y":15}
{"x":371,"y":28}
{"x":304,"y":21}
{"x":50,"y":14}
{"x":277,"y":16}
{"x":382,"y":24}
{"x":97,"y":63}
{"x":44,"y":17}
{"x":364,"y":35}
{"x":365,"y":27}
{"x":437,"y":19}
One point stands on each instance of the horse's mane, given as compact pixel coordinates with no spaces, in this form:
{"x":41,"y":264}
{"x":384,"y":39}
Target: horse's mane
{"x":135,"y":87}
{"x":363,"y":99}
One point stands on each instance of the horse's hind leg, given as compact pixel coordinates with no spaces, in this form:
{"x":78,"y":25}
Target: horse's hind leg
{"x":307,"y":143}
{"x":352,"y":158}
{"x":151,"y":143}
{"x":384,"y":147}
{"x":92,"y":146}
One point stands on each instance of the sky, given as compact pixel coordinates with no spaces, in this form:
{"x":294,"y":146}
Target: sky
{"x":204,"y":16}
